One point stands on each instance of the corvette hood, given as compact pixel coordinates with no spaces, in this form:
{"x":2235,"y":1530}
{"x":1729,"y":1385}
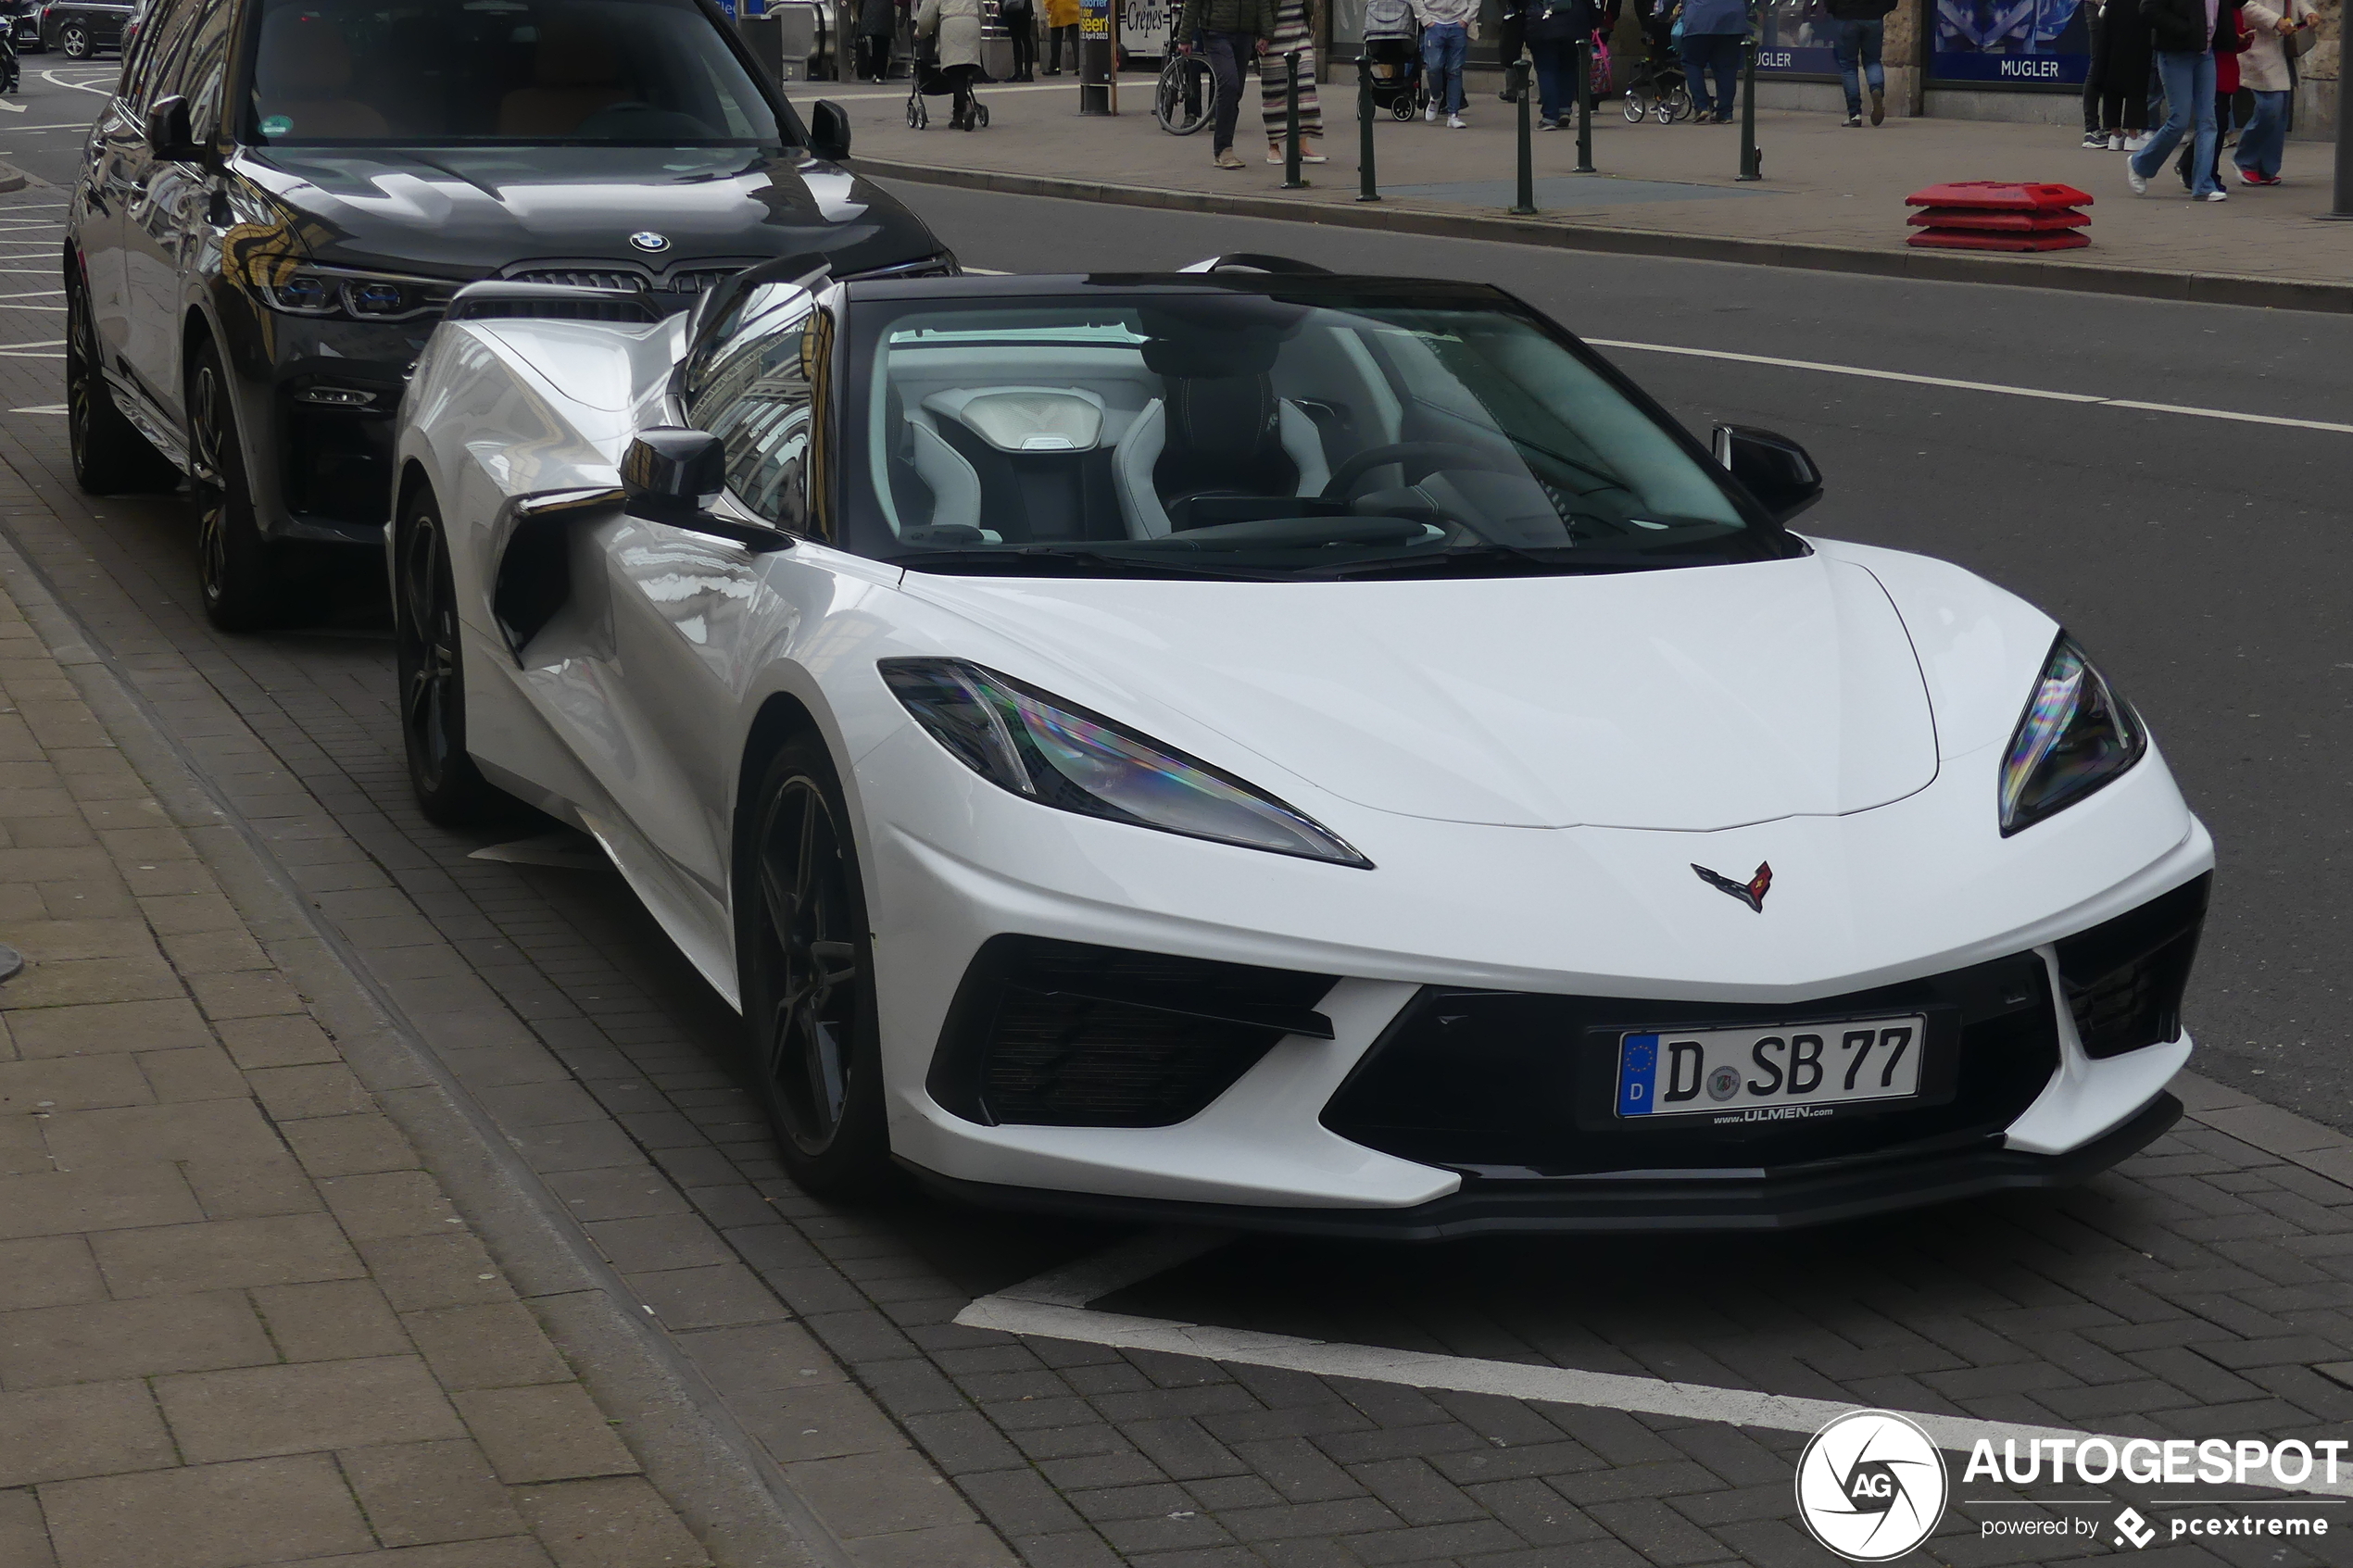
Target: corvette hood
{"x":1695,"y":698}
{"x":469,"y":211}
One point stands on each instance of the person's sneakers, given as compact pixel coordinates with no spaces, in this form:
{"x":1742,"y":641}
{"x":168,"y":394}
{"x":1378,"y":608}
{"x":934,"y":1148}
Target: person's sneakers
{"x":1543,"y":124}
{"x":1230,"y":159}
{"x":2116,"y":142}
{"x":1854,"y":122}
{"x":2096,"y":141}
{"x":1878,"y":104}
{"x":1457,"y":123}
{"x":1724,"y":119}
{"x":2216,"y":194}
{"x":1429,"y":115}
{"x":1560,"y":123}
{"x":2137,"y":141}
{"x":2134,"y":178}
{"x":2248,"y":177}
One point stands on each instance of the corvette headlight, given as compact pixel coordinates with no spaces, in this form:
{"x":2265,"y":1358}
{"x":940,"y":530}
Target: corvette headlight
{"x":2075,"y":735}
{"x":1023,"y":741}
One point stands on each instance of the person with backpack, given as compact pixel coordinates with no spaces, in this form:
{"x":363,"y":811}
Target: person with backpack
{"x":1448,"y":26}
{"x":2183,"y":33}
{"x":1862,"y":28}
{"x":1553,"y":28}
{"x":1229,"y":31}
{"x":2268,"y":70}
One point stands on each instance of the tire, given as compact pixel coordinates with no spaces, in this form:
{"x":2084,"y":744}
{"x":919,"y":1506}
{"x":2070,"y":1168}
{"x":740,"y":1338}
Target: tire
{"x":1635,"y":108}
{"x":981,"y":111}
{"x":1184,"y":98}
{"x":1404,"y":108}
{"x":110,"y":457}
{"x":430,"y":657}
{"x":236,"y":569}
{"x":805,"y":957}
{"x":1676,"y":106}
{"x":73,"y":42}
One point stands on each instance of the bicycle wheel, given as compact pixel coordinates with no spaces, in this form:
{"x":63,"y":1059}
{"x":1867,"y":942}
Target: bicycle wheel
{"x":1185,"y":97}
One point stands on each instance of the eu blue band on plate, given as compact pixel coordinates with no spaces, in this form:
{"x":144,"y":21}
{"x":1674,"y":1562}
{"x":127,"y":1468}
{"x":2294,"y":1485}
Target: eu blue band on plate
{"x":1638,"y":1075}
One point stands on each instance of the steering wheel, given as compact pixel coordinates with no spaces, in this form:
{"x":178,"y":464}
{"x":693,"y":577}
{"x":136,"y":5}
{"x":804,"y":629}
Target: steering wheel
{"x":1419,"y":457}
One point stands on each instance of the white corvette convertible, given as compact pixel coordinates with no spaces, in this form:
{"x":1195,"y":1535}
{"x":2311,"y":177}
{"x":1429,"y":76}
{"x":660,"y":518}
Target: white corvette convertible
{"x":1284,"y":749}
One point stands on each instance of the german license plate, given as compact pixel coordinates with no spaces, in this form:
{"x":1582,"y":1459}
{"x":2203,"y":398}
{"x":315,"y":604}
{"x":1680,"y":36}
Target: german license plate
{"x":1771,"y":1073}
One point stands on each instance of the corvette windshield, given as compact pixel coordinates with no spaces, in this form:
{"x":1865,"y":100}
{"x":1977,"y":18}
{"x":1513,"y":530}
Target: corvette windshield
{"x":1324,"y":432}
{"x":498,"y":72}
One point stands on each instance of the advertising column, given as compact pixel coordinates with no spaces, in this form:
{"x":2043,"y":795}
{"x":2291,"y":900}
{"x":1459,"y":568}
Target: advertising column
{"x":1098,"y":75}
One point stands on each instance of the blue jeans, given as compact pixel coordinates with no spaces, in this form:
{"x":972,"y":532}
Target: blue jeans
{"x":2189,"y":100}
{"x":1860,"y":41}
{"x":1717,"y":51}
{"x":1443,"y":48}
{"x":1556,"y":75}
{"x":2265,"y":138}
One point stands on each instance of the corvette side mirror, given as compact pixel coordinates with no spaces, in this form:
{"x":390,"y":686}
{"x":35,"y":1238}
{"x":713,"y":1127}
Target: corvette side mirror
{"x":1772,"y":468}
{"x":167,"y":135}
{"x":672,"y":476}
{"x":828,"y":132}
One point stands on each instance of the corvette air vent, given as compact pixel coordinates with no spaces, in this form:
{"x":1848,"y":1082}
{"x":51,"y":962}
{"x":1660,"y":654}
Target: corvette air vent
{"x":1069,"y":1034}
{"x":2124,"y":977}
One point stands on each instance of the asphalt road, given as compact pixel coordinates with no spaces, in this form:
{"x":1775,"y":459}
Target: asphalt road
{"x":2205,"y":563}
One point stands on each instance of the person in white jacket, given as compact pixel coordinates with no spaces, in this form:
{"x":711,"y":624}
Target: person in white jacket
{"x":956,"y":23}
{"x":2264,"y":70}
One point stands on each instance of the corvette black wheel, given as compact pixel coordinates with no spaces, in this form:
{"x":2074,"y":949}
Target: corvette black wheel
{"x":110,"y":457}
{"x":236,"y":569}
{"x":807,"y":968}
{"x":450,"y":790}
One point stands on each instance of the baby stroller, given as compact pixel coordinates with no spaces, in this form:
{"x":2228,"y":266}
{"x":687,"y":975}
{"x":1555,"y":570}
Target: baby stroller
{"x":927,"y":80}
{"x":1392,"y":48}
{"x":1657,"y":86}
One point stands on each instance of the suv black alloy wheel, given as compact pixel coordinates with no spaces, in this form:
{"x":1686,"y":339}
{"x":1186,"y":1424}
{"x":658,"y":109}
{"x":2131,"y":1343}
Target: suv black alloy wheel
{"x":807,"y":972}
{"x":73,"y":39}
{"x":235,"y":567}
{"x":110,"y":457}
{"x":451,"y":789}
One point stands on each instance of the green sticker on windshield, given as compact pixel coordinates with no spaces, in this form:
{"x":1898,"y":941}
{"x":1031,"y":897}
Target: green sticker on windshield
{"x":276,"y":125}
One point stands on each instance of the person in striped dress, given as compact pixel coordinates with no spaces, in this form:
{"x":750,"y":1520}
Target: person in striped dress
{"x":1294,"y":30}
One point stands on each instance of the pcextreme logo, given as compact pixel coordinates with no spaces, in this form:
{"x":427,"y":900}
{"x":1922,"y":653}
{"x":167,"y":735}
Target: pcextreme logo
{"x":1871,"y":1486}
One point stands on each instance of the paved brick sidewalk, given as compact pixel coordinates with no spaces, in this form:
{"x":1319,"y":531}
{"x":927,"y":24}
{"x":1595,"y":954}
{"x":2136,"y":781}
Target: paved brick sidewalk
{"x":1824,"y":186}
{"x":239,"y":1323}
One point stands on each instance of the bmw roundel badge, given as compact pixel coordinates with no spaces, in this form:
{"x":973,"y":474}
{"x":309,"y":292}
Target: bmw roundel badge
{"x":647,"y":240}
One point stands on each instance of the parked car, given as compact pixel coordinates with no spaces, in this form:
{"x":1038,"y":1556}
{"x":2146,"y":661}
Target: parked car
{"x":81,"y":29}
{"x":24,"y":24}
{"x":248,"y":279}
{"x":1302,"y":751}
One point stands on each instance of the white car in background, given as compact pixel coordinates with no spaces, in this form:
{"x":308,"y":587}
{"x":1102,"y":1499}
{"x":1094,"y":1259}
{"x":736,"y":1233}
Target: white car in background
{"x":1285,"y":749}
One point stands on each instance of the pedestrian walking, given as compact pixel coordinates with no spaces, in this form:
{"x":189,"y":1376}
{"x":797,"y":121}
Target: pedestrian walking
{"x":955,"y":25}
{"x":1229,"y":32}
{"x":1294,"y":33}
{"x":2183,"y":34}
{"x":1020,"y":20}
{"x":1712,"y":33}
{"x":1448,"y":26}
{"x":1553,"y":28}
{"x":2230,"y":42}
{"x":2268,"y":70}
{"x":871,"y":50}
{"x":1862,"y":28}
{"x":2121,"y":66}
{"x":1511,"y":40}
{"x":1061,"y":27}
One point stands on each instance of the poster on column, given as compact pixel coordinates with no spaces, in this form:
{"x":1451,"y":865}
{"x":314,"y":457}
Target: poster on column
{"x":2032,"y":43}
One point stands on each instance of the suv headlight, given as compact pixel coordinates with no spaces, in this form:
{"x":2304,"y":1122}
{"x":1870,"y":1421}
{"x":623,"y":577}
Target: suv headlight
{"x":1048,"y":751}
{"x":299,"y":288}
{"x":2075,"y":735}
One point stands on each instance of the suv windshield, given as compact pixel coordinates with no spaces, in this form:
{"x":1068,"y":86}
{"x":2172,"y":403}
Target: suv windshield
{"x":1326,"y":430}
{"x":465,"y":72}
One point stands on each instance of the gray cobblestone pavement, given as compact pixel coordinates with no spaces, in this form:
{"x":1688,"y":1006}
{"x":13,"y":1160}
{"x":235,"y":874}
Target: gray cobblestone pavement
{"x":2195,"y":1292}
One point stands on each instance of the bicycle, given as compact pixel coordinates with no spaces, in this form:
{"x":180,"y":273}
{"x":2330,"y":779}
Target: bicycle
{"x":1184,"y":98}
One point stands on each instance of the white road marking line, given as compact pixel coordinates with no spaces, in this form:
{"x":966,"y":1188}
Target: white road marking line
{"x":2085,"y":397}
{"x":45,"y":408}
{"x":106,"y":92}
{"x":992,"y":89}
{"x":1053,"y":1306}
{"x":20,"y":109}
{"x":34,"y":294}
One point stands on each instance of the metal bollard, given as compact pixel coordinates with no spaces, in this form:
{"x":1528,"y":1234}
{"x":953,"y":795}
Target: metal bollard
{"x":1292,"y":181}
{"x":1752,"y":157}
{"x":1517,"y":79}
{"x":1366,"y":191}
{"x":1584,"y":106}
{"x":2341,"y":207}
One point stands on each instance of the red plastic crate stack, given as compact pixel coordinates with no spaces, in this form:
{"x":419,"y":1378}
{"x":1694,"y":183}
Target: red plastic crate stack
{"x":2000,"y":215}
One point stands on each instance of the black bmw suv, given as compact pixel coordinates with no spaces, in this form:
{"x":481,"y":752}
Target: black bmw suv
{"x":281,"y":195}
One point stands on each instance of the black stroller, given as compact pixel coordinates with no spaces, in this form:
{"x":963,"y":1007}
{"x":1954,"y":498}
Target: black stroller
{"x":927,"y":80}
{"x":1393,"y":53}
{"x":1657,"y":86}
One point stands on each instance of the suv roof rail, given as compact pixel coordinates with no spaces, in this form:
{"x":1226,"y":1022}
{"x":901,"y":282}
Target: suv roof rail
{"x":1253,"y":261}
{"x":496,"y":299}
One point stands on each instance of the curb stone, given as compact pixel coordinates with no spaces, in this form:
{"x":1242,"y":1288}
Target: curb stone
{"x":15,"y":178}
{"x":2193,"y":288}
